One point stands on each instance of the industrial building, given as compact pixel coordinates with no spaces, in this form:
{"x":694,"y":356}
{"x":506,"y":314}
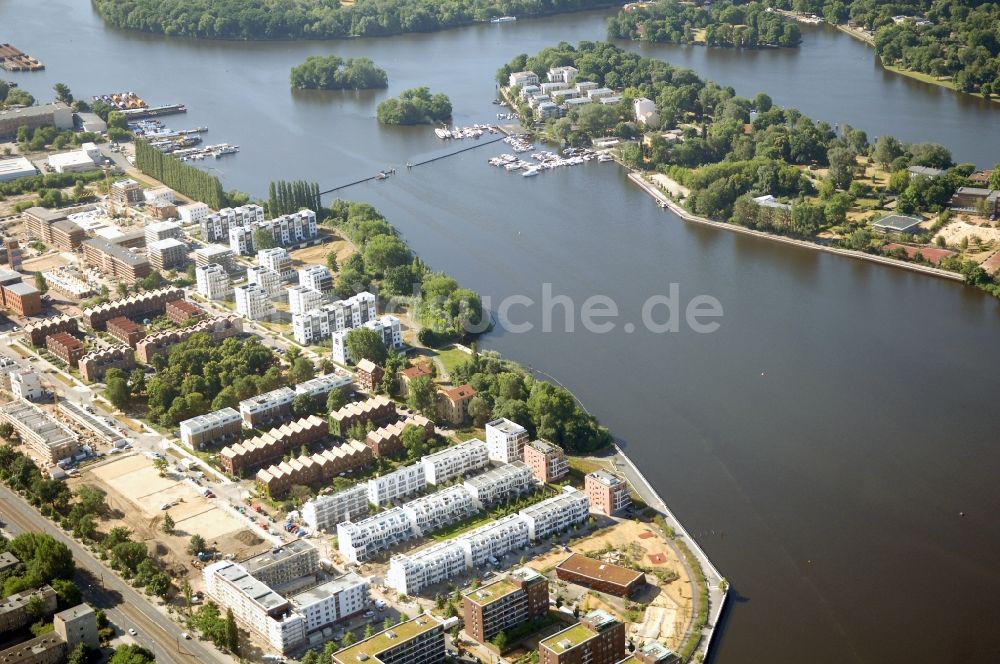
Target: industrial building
{"x":56,"y":115}
{"x":16,"y":167}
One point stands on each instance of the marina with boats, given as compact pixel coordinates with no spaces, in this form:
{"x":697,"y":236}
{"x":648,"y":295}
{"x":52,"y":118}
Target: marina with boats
{"x":543,"y":160}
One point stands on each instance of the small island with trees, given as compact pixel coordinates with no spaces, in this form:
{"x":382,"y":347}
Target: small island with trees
{"x":415,"y":106}
{"x":330,"y":72}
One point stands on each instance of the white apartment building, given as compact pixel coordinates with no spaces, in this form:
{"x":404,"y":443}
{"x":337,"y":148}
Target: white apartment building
{"x":241,"y":240}
{"x":433,"y":512}
{"x":500,"y":485}
{"x":332,"y":601}
{"x":400,"y":483}
{"x":255,"y":605}
{"x":455,"y":461}
{"x":25,"y":384}
{"x":645,"y":111}
{"x":409,"y":574}
{"x":215,"y":227}
{"x":214,"y":253}
{"x":159,"y":195}
{"x":210,"y":427}
{"x":267,"y":407}
{"x":506,"y":440}
{"x":322,"y":322}
{"x":555,"y":514}
{"x":387,"y":327}
{"x":495,"y":539}
{"x":266,"y":278}
{"x":212,"y":282}
{"x":522,"y":78}
{"x":166,"y":254}
{"x":252,"y":302}
{"x":291,"y":229}
{"x":360,"y":541}
{"x":192,"y":213}
{"x":162,"y":230}
{"x":277,"y":260}
{"x":563,"y":74}
{"x":302,"y":299}
{"x":320,"y":386}
{"x":316,"y":277}
{"x":325,"y":512}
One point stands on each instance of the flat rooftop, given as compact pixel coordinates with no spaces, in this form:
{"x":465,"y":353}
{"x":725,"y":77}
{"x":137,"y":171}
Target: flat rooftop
{"x":506,"y":426}
{"x":568,"y":638}
{"x":325,"y":590}
{"x":372,"y":646}
{"x":251,"y":587}
{"x":268,"y":558}
{"x":606,"y":478}
{"x":34,"y":418}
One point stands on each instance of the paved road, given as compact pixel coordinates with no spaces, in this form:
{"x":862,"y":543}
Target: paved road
{"x":125,"y":607}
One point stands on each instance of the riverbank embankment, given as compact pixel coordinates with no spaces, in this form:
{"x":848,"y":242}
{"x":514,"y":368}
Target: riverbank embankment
{"x":850,"y":253}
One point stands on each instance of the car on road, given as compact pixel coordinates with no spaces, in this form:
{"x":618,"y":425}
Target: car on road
{"x":131,"y":630}
{"x":185,"y":636}
{"x":368,"y":614}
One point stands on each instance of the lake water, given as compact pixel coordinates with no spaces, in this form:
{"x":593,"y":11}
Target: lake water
{"x":820,"y":445}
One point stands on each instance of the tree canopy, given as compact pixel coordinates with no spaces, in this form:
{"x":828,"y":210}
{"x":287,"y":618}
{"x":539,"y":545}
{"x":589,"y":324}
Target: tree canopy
{"x":415,"y":106}
{"x":331,"y":72}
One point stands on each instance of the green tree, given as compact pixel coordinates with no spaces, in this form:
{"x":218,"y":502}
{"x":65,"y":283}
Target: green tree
{"x":168,"y":524}
{"x":414,"y":440}
{"x":422,"y":395}
{"x":337,"y":399}
{"x":7,"y":431}
{"x":40,"y":283}
{"x":132,"y":654}
{"x":78,"y":655}
{"x":331,"y":261}
{"x":887,"y":149}
{"x":263,"y":239}
{"x":63,"y":93}
{"x":479,"y":410}
{"x":161,"y":466}
{"x":301,"y":370}
{"x":232,"y":633}
{"x":116,"y":391}
{"x":500,"y":641}
{"x":364,"y":343}
{"x":842,"y":163}
{"x":304,"y":405}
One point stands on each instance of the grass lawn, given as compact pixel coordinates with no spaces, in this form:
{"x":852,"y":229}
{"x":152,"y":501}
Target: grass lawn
{"x":451,"y":357}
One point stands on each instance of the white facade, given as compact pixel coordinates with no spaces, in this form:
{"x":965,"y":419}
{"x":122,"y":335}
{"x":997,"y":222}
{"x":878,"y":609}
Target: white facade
{"x":216,"y":420}
{"x":212,"y":282}
{"x":192,"y":213}
{"x":26,"y":385}
{"x":322,"y":322}
{"x":302,"y":299}
{"x":645,"y":111}
{"x":563,"y":74}
{"x":316,"y":277}
{"x":332,"y":601}
{"x":400,"y":483}
{"x":500,"y":485}
{"x":520,"y":78}
{"x":277,"y":260}
{"x":267,"y":279}
{"x":455,"y":461}
{"x":506,"y":440}
{"x":360,"y":541}
{"x":433,"y":512}
{"x":321,"y":386}
{"x":241,"y":240}
{"x":162,"y":230}
{"x":291,"y":229}
{"x":214,"y":253}
{"x":409,"y":574}
{"x":16,"y":167}
{"x":387,"y":327}
{"x":267,"y":404}
{"x":495,"y":539}
{"x":215,"y":227}
{"x":158,"y":195}
{"x":325,"y":512}
{"x":71,"y":162}
{"x":555,"y":514}
{"x":252,"y":302}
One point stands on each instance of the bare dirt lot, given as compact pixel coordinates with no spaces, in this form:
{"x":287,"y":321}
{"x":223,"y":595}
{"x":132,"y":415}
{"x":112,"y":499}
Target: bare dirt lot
{"x":317,"y":255}
{"x":955,"y":231}
{"x":46,"y":262}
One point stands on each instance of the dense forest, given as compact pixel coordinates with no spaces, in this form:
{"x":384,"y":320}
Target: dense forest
{"x":317,"y":19}
{"x":957,"y":39}
{"x":177,"y":175}
{"x":414,"y":106}
{"x":333,"y":73}
{"x":723,"y":23}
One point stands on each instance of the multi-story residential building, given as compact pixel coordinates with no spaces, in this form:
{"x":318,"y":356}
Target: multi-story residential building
{"x":95,"y":364}
{"x":15,"y":257}
{"x":409,"y":374}
{"x":213,"y":282}
{"x":453,"y":403}
{"x":547,"y":461}
{"x":215,"y":227}
{"x":599,"y":638}
{"x":192,"y":213}
{"x":493,"y":540}
{"x":500,"y":485}
{"x":183,"y":312}
{"x":115,"y":261}
{"x":266,"y":278}
{"x":283,"y":563}
{"x":66,"y":347}
{"x":217,"y":329}
{"x":520,"y":597}
{"x":241,"y":240}
{"x":317,"y":278}
{"x":522,"y":78}
{"x":26,"y":385}
{"x":67,"y":235}
{"x":370,"y":411}
{"x":125,"y":330}
{"x":22,"y":299}
{"x":38,"y":223}
{"x":291,"y":229}
{"x":278,"y":261}
{"x":214,"y":253}
{"x":387,"y":327}
{"x":332,"y":601}
{"x":163,"y":230}
{"x":369,"y":375}
{"x":159,"y":195}
{"x":599,"y":575}
{"x":15,"y":610}
{"x":409,"y":574}
{"x":438,"y":510}
{"x":255,"y":605}
{"x":272,"y":445}
{"x":211,"y":428}
{"x":316,"y":468}
{"x":320,"y":387}
{"x":556,"y":514}
{"x":564,"y":74}
{"x":167,"y":254}
{"x":400,"y":483}
{"x":387,"y":440}
{"x":325,"y":512}
{"x":322,"y":322}
{"x":417,"y":641}
{"x":456,"y":461}
{"x":47,"y":438}
{"x":268,"y":408}
{"x":506,"y":440}
{"x":67,"y":281}
{"x":302,"y":300}
{"x":607,"y":493}
{"x":367,"y":538}
{"x":144,"y":305}
{"x":126,"y":192}
{"x":38,"y":331}
{"x":75,"y":625}
{"x":653,"y":652}
{"x":253,"y":302}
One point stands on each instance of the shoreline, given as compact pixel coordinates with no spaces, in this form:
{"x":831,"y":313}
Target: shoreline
{"x":848,"y":253}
